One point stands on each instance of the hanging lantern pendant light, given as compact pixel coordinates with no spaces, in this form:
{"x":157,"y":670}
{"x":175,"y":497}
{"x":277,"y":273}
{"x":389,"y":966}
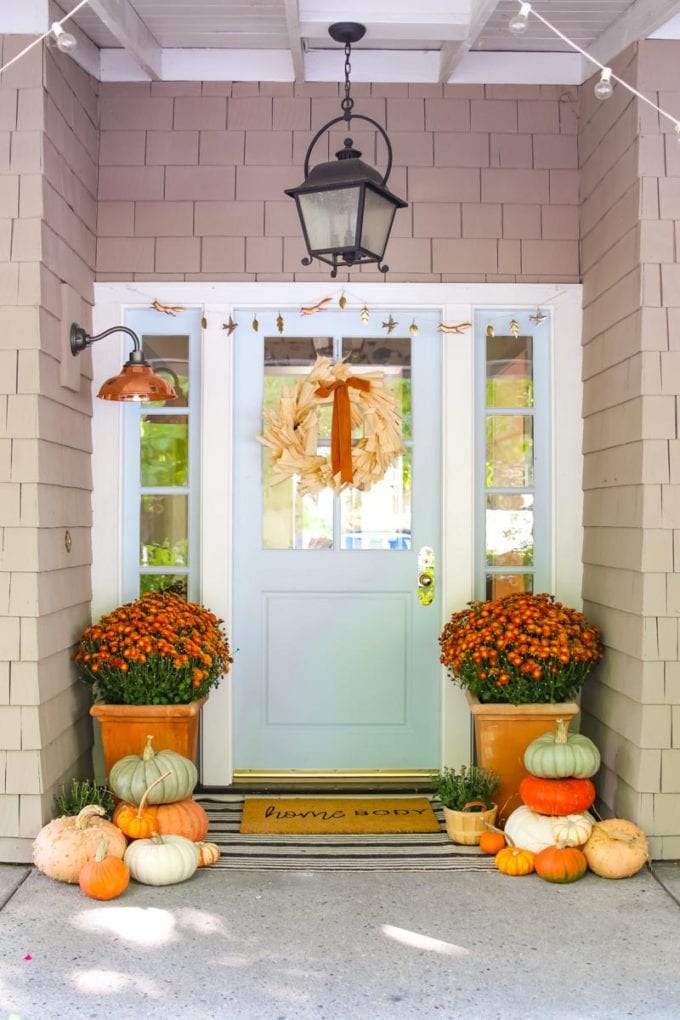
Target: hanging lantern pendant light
{"x":345,"y":209}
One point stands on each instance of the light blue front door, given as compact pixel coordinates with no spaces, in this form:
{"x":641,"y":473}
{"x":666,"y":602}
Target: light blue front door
{"x":337,"y":661}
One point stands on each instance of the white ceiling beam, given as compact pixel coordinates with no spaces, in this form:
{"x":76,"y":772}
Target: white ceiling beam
{"x":122,"y":20}
{"x":31,"y":17}
{"x":639,"y":21}
{"x":294,"y":38}
{"x":374,"y":65}
{"x":450,"y":55}
{"x":481,"y":67}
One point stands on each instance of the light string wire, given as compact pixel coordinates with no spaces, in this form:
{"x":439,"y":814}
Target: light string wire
{"x":603,"y":67}
{"x":44,"y":36}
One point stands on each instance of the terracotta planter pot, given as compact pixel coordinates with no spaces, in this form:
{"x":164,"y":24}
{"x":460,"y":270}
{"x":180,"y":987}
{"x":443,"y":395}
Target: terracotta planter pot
{"x":502,"y":735}
{"x":125,"y":728}
{"x":467,"y":827}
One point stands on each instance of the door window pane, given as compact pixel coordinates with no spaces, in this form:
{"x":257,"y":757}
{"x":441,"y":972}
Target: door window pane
{"x":509,"y":450}
{"x":164,"y":453}
{"x":159,"y":582}
{"x":499,"y":585}
{"x":381,"y":517}
{"x":291,"y":521}
{"x":510,"y":530}
{"x":164,"y":527}
{"x":509,"y":371}
{"x":169,"y":358}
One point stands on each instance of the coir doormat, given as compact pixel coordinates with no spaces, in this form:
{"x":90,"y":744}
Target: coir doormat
{"x":318,"y":815}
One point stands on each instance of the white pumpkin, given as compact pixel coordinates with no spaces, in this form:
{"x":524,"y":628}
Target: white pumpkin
{"x":572,"y":830}
{"x":162,"y":860}
{"x":531,"y":831}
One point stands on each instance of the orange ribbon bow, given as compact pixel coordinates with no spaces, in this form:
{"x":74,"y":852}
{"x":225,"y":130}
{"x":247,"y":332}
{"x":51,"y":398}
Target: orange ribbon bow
{"x":341,"y":424}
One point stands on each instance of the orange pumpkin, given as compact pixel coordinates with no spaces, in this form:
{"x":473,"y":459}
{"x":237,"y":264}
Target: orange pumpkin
{"x":557,"y":796}
{"x":491,"y":842}
{"x":561,"y":864}
{"x":138,"y":822}
{"x":208,"y":853}
{"x":105,"y":876}
{"x":515,"y":861}
{"x":183,"y":818}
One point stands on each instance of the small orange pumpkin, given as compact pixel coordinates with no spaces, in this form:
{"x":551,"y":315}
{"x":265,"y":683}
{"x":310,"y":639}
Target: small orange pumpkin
{"x":208,"y":853}
{"x":105,"y":876}
{"x":561,"y":864}
{"x":138,"y":822}
{"x":557,"y":796}
{"x":513,"y":860}
{"x":491,"y":842}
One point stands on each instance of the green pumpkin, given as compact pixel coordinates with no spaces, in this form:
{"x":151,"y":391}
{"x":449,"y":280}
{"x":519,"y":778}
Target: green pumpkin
{"x":562,"y":754}
{"x":131,"y":776}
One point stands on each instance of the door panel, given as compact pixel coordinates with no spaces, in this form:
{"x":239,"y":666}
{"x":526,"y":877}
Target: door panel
{"x":336,"y":660}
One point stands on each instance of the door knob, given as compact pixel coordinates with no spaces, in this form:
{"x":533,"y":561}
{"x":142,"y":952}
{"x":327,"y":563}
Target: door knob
{"x":426,"y":584}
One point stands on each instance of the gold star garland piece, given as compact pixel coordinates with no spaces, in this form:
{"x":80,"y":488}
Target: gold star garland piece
{"x":279,"y":322}
{"x":413,"y":328}
{"x":365,"y":314}
{"x":204,"y":323}
{"x":255,"y":323}
{"x":514,"y":327}
{"x":168,"y":309}
{"x":342,"y":300}
{"x":390,"y":325}
{"x":230,"y":326}
{"x":490,"y":331}
{"x":459,"y":327}
{"x":539,"y":317}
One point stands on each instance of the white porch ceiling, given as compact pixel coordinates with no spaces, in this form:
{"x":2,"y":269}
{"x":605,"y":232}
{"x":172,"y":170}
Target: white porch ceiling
{"x":424,"y":41}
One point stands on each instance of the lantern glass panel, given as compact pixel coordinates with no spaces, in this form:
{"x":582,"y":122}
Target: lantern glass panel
{"x":330,"y":217}
{"x":378,"y":216}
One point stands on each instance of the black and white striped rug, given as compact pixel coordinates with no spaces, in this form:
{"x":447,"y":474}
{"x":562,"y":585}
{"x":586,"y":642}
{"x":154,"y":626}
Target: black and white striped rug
{"x":390,"y":852}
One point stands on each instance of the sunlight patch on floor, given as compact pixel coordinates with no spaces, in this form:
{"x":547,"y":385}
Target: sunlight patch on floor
{"x":417,"y":941}
{"x":110,"y":982}
{"x":146,"y":926}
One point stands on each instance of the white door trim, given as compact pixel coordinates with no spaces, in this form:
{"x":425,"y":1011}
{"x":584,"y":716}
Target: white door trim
{"x":455,"y":573}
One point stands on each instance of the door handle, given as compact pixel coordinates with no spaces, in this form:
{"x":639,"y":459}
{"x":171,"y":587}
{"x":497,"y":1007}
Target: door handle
{"x":426,"y":576}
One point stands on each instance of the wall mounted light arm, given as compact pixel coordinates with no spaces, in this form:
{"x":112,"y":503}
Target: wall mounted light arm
{"x":136,"y":380}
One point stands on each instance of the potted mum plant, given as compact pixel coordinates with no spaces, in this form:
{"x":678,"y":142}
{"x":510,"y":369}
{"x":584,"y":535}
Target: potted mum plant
{"x":151,"y":664}
{"x":521,"y":660}
{"x":467,"y":796}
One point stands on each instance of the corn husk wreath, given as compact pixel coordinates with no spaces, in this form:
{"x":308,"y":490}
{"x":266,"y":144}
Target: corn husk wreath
{"x":292,"y":430}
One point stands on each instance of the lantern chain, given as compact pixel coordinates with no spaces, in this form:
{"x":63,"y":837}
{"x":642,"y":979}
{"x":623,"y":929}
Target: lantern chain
{"x":347,"y":103}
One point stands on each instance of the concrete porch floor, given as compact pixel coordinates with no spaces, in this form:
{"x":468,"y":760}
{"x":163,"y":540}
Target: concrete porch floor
{"x":292,"y":946}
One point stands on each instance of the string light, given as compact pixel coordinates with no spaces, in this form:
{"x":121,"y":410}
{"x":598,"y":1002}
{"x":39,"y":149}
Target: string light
{"x":64,"y":40}
{"x":604,"y":88}
{"x":526,"y":9}
{"x":519,"y":24}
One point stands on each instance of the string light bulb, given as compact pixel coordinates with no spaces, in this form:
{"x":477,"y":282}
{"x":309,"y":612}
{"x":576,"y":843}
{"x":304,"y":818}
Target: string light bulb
{"x":520,"y":22}
{"x":64,"y":40}
{"x":604,"y":88}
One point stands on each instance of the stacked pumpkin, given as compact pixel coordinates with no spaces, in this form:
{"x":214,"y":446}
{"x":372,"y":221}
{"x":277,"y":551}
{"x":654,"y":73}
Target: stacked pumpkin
{"x":552,"y":832}
{"x":157,"y":812}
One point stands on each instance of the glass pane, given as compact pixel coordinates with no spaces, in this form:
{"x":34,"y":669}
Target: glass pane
{"x":169,"y":358}
{"x":291,"y":521}
{"x":330,"y":218}
{"x":509,"y":451}
{"x":164,"y":529}
{"x":510,"y":530}
{"x":377,"y":223}
{"x":164,"y":450}
{"x":498,"y":585}
{"x":509,"y":371}
{"x":381,"y":517}
{"x":159,"y":582}
{"x":393,"y":358}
